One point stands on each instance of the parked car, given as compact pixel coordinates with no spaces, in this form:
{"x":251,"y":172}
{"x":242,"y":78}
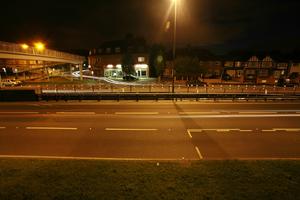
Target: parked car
{"x":129,"y":78}
{"x":196,"y":82}
{"x":8,"y":82}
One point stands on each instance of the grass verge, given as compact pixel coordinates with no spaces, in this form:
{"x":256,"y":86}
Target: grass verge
{"x":78,"y":179}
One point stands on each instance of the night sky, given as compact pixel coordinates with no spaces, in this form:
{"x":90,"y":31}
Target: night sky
{"x":216,"y":24}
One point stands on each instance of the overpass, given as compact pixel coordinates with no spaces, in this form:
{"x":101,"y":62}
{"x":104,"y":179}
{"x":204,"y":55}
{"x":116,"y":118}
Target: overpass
{"x":12,"y":51}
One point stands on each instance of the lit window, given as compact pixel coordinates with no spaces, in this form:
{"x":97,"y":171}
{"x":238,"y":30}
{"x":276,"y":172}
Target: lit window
{"x":110,"y":66}
{"x":141,"y":59}
{"x":119,"y":66}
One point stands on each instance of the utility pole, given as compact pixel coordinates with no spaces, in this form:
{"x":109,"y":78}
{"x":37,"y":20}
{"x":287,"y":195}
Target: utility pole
{"x":174,"y":45}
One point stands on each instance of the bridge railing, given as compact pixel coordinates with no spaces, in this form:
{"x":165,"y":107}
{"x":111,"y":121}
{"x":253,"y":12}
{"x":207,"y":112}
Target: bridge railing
{"x":17,"y":48}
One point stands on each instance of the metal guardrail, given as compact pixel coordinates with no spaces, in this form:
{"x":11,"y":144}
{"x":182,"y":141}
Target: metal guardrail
{"x":160,"y":88}
{"x":17,"y":48}
{"x":164,"y":96}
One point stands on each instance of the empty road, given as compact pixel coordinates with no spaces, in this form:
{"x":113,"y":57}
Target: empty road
{"x":150,"y":130}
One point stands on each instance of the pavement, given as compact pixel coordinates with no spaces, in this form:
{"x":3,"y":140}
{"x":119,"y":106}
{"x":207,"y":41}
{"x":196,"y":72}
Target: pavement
{"x":150,"y":130}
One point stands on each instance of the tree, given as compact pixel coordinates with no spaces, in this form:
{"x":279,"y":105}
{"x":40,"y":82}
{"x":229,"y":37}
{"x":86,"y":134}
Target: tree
{"x":127,"y":64}
{"x":188,"y":66}
{"x":157,"y":60}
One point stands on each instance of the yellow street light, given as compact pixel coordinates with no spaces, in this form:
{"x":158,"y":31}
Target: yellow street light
{"x":24,"y":46}
{"x":39,"y":46}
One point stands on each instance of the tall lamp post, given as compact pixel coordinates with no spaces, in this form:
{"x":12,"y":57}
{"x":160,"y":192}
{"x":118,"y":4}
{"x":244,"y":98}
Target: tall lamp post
{"x":175,"y":2}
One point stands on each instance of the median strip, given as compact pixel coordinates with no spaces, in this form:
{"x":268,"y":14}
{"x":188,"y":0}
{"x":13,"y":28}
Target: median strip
{"x":51,"y":128}
{"x":130,"y":129}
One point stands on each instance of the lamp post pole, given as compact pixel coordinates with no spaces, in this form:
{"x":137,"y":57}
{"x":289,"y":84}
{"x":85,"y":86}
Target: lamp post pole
{"x":174,"y":45}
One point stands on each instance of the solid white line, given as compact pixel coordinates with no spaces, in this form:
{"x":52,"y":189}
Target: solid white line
{"x":76,"y":113}
{"x":19,"y":112}
{"x":136,"y":113}
{"x":88,"y":158}
{"x":130,"y":129}
{"x":51,"y":128}
{"x":246,"y":130}
{"x":199,"y":154}
{"x":198,"y":113}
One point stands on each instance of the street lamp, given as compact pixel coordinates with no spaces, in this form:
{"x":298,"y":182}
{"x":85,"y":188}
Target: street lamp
{"x":24,"y":46}
{"x":175,"y":3}
{"x":39,"y":46}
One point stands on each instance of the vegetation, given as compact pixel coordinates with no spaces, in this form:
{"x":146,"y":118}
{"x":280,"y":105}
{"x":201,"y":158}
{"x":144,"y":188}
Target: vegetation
{"x":127,"y":64}
{"x":75,"y":179}
{"x":157,"y":60}
{"x":188,"y":66}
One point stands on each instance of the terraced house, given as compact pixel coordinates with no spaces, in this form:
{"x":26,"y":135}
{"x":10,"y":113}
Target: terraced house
{"x":108,"y":59}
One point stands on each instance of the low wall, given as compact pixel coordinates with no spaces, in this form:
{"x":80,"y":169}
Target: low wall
{"x":18,"y":95}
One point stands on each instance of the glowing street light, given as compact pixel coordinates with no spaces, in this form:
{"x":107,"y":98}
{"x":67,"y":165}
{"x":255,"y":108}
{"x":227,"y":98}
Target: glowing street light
{"x":24,"y":46}
{"x":39,"y":46}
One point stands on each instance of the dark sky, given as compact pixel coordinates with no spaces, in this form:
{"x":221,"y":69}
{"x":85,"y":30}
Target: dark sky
{"x":218,"y":24}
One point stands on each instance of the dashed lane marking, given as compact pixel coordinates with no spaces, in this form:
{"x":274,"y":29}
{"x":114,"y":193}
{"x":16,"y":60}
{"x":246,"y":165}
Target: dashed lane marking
{"x":198,"y":113}
{"x":271,"y":130}
{"x":75,"y":113}
{"x":199,"y":153}
{"x":2,"y":127}
{"x":52,"y":128}
{"x":287,"y":129}
{"x":257,"y":112}
{"x":136,"y":113}
{"x":131,"y":129}
{"x":246,"y":130}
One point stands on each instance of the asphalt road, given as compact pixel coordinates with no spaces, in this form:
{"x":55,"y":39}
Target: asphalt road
{"x":150,"y":130}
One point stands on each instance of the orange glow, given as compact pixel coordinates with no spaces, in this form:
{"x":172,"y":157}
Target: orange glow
{"x":24,"y":46}
{"x":39,"y":46}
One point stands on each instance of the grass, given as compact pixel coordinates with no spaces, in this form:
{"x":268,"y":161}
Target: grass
{"x":78,"y":179}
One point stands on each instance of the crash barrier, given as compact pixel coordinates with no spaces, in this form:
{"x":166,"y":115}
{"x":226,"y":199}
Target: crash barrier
{"x":18,"y":95}
{"x":163,"y":96}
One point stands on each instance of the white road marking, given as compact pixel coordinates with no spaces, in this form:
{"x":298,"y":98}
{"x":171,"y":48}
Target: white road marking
{"x":287,"y":129}
{"x":199,"y":153}
{"x":198,"y":113}
{"x":272,"y":130}
{"x":75,"y":113}
{"x":88,"y":158}
{"x":246,"y":130}
{"x":257,"y":112}
{"x":136,"y":113}
{"x":189,"y":133}
{"x":19,"y":112}
{"x":130,"y":129}
{"x":2,"y":127}
{"x":51,"y":128}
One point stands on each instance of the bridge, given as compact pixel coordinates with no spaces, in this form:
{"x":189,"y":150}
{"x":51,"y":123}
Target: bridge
{"x":30,"y":58}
